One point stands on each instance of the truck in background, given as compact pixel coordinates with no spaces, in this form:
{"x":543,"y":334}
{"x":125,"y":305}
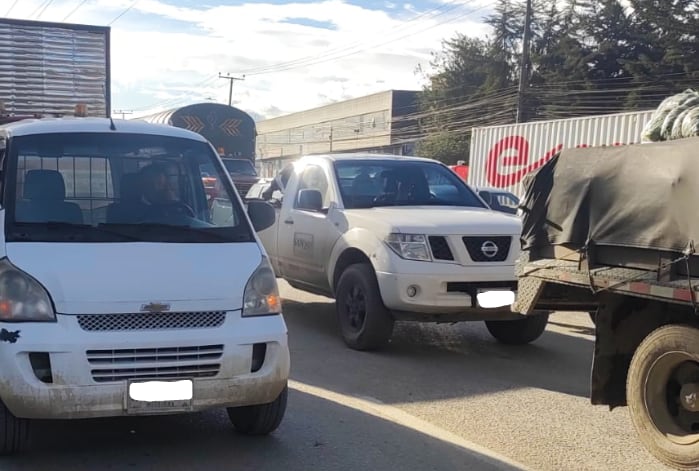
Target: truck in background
{"x":501,"y":156}
{"x":53,"y":69}
{"x":230,"y":130}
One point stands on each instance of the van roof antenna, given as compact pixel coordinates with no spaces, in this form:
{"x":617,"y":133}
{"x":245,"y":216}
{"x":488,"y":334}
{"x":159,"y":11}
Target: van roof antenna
{"x":111,"y":124}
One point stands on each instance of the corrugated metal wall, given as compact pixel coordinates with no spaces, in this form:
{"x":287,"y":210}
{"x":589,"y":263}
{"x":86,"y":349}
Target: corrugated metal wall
{"x":502,"y":155}
{"x":47,"y":68}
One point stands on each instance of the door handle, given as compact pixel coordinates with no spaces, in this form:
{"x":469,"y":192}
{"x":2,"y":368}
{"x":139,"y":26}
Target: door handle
{"x":288,"y":221}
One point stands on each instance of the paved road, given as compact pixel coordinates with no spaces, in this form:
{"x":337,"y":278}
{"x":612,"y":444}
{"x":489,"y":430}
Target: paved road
{"x":439,"y":398}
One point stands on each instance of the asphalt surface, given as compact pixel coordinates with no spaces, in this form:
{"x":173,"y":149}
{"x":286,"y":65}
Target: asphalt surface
{"x":440,"y":397}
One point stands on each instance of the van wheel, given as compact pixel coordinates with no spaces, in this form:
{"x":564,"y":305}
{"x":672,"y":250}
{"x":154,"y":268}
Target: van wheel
{"x":365,"y":322}
{"x":261,"y":419}
{"x":518,"y":331}
{"x":662,"y":392}
{"x":14,"y":432}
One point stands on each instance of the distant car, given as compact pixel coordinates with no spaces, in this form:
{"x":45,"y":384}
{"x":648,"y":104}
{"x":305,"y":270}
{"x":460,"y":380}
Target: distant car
{"x":499,"y":200}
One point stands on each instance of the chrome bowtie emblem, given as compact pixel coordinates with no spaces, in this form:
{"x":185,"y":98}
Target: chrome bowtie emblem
{"x":155,"y":307}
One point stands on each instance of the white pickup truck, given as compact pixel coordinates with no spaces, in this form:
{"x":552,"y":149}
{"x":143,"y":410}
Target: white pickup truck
{"x":395,"y":238}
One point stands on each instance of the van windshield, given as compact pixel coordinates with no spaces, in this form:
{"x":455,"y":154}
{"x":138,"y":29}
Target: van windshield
{"x":119,"y":187}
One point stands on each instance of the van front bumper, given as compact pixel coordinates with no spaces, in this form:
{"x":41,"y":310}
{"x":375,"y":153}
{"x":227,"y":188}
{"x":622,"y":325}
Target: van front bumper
{"x":81,"y":363}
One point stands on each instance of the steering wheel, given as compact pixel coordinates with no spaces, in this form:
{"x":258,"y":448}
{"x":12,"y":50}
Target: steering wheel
{"x":173,"y":208}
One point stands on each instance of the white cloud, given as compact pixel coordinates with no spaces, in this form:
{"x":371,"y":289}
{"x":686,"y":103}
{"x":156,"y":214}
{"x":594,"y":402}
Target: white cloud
{"x":168,"y":55}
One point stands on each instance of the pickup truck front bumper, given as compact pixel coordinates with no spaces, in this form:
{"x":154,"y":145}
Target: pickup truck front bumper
{"x":446,"y":297}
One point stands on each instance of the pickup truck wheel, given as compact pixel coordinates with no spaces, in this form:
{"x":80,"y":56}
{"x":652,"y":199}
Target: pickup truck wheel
{"x":13,"y":432}
{"x":519,"y":331}
{"x":662,"y":392}
{"x":262,"y":419}
{"x":365,"y":322}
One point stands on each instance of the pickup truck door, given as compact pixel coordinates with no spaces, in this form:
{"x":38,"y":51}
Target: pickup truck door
{"x":306,"y":237}
{"x":275,"y":196}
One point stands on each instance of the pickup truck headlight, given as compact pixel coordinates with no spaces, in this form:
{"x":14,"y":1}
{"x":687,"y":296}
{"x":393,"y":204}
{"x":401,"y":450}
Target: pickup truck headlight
{"x":261,"y":296}
{"x":409,"y":246}
{"x":22,"y":298}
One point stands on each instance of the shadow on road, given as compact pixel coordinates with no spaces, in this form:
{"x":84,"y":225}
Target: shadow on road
{"x":430,"y":361}
{"x":317,"y":434}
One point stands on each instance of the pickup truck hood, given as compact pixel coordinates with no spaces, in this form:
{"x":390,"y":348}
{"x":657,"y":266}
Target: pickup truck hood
{"x":434,"y":220}
{"x":100,"y":278}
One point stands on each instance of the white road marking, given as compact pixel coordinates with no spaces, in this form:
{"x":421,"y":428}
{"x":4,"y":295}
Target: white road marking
{"x":376,"y":408}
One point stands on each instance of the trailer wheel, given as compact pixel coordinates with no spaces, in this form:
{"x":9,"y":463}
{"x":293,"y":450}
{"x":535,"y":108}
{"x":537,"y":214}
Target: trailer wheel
{"x":13,"y":432}
{"x":519,"y":331}
{"x":662,"y":390}
{"x":365,"y":322}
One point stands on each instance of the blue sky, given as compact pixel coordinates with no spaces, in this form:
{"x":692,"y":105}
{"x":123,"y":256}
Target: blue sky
{"x":294,"y":55}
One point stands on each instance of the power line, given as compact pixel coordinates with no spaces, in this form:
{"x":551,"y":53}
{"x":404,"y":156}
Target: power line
{"x":7,"y":13}
{"x":123,"y":12}
{"x":45,"y":7}
{"x":320,"y":59}
{"x":302,"y":60}
{"x":41,"y":5}
{"x":74,"y":10}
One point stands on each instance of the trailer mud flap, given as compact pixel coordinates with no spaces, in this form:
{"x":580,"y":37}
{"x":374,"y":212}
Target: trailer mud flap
{"x":621,"y":324}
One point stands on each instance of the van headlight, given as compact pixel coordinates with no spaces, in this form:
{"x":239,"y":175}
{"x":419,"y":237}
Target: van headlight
{"x":409,"y":246}
{"x":261,"y":296}
{"x":22,"y":298}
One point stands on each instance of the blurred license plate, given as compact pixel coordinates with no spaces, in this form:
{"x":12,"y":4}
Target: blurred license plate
{"x":152,"y":397}
{"x":494,"y":298}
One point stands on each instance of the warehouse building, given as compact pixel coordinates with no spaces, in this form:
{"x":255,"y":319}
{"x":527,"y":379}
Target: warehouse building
{"x":379,"y":123}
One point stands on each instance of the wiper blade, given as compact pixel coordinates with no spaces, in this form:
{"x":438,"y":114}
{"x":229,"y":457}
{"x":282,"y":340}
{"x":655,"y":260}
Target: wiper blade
{"x":195,"y":232}
{"x":78,"y":229}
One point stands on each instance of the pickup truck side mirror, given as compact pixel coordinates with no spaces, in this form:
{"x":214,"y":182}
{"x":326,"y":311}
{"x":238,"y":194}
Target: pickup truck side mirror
{"x":262,"y":215}
{"x":310,"y":200}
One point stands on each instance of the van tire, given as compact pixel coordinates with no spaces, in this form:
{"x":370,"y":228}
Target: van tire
{"x":518,"y":331}
{"x":261,"y":419}
{"x":365,"y":322}
{"x":14,"y":432}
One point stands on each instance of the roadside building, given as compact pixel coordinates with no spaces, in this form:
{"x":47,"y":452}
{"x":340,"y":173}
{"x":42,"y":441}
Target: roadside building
{"x":381,"y":123}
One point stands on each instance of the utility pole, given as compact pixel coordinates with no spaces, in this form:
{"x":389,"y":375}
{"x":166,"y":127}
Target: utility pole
{"x":524,"y":68}
{"x":231,"y":79}
{"x":123,"y":113}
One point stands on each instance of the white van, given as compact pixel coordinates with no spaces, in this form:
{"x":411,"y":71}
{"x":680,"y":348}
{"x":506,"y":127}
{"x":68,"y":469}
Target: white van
{"x":123,"y":290}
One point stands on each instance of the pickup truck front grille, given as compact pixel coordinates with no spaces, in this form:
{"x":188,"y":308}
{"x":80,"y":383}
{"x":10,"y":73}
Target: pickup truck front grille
{"x":440,"y":248}
{"x":488,"y":249}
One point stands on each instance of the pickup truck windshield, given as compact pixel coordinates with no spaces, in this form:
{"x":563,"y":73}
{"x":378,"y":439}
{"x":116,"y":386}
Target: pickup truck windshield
{"x":371,"y":183}
{"x":109,"y":187}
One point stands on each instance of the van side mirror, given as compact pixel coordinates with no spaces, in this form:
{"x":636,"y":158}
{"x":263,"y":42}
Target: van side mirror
{"x":262,"y":215}
{"x":310,"y":200}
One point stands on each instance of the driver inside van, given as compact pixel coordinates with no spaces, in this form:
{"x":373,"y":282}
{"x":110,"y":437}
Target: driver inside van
{"x":156,"y":188}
